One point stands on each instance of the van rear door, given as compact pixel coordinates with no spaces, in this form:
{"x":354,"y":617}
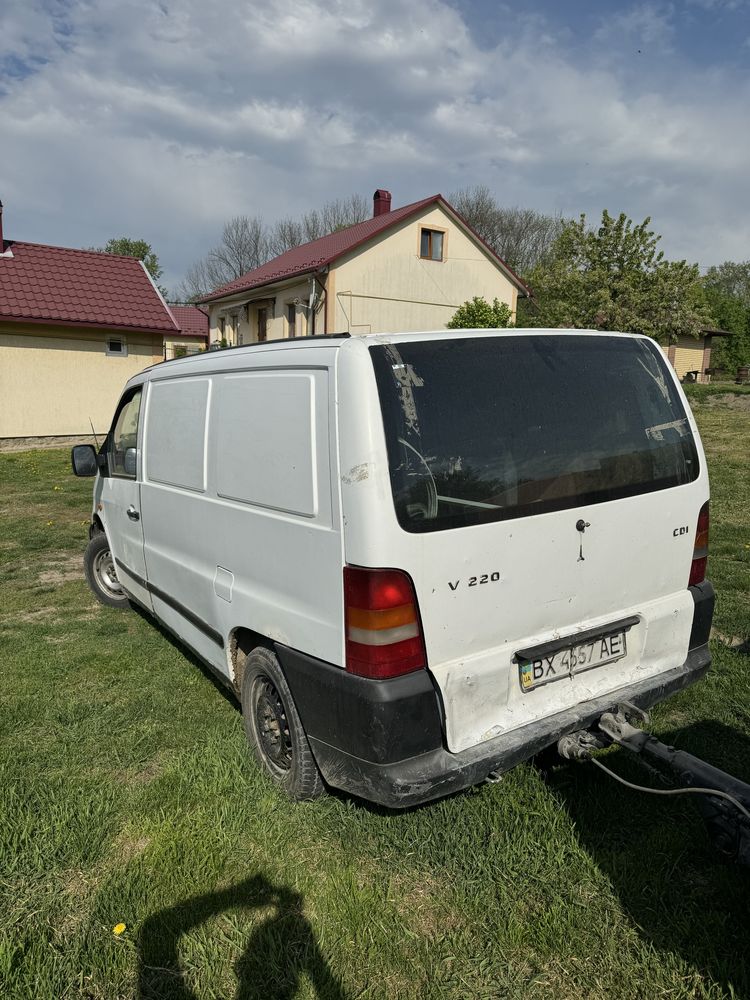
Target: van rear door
{"x":546,"y":488}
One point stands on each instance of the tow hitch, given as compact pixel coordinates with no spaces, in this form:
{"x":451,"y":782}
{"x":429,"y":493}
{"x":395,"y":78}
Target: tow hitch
{"x":724,"y":801}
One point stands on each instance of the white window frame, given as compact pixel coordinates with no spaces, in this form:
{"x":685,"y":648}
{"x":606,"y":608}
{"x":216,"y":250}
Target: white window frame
{"x":116,"y":354}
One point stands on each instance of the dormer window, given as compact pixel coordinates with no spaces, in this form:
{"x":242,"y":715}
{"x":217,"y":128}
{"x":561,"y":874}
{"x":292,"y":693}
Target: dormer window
{"x":431,"y":244}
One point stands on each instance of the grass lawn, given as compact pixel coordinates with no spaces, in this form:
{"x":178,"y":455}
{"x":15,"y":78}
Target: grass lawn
{"x":127,"y":795}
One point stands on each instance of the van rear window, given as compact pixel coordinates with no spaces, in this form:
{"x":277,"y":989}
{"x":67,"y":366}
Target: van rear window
{"x":488,"y":428}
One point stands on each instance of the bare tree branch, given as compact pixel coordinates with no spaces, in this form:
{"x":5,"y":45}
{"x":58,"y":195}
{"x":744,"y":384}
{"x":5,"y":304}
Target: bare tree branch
{"x":521,"y":236}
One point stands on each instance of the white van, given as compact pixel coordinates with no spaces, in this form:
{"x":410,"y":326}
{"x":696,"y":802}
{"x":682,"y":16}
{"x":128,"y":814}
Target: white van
{"x":418,"y":559}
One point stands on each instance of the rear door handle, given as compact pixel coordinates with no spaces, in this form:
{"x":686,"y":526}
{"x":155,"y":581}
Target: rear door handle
{"x":133,"y":513}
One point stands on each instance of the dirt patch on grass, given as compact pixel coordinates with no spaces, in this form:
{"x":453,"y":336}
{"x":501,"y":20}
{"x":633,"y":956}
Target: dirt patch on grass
{"x":728,"y":401}
{"x":58,"y":640}
{"x":143,"y":775}
{"x":126,"y":847}
{"x":31,"y":443}
{"x":89,"y":616}
{"x":739,"y":643}
{"x":421,"y":905}
{"x":47,"y":614}
{"x":62,"y":570}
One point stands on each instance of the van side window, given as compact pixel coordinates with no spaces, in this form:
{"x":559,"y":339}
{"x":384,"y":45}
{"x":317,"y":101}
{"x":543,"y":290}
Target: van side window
{"x":123,"y":439}
{"x":176,"y":433}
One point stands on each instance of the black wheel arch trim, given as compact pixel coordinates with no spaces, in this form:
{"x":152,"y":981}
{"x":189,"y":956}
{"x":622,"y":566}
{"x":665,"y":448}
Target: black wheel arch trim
{"x":380,"y":721}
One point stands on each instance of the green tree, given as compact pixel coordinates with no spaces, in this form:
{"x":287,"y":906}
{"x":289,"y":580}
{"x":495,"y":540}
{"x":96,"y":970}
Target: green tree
{"x":125,"y":247}
{"x":478,"y":313}
{"x":727,"y":289}
{"x":615,"y":278}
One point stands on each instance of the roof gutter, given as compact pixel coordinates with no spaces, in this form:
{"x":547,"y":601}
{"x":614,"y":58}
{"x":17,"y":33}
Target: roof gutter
{"x":288,"y":278}
{"x":80,"y":324}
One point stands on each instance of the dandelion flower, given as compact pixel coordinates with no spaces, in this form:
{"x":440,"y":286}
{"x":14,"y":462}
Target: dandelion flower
{"x":118,"y":929}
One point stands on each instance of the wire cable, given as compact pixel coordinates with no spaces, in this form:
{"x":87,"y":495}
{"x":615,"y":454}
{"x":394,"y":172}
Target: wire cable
{"x":674,"y":791}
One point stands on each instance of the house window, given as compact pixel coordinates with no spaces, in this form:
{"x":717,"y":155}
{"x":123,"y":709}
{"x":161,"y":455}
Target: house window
{"x":262,"y":323}
{"x":223,"y":327}
{"x":291,"y":319}
{"x":116,"y":347}
{"x":431,"y":244}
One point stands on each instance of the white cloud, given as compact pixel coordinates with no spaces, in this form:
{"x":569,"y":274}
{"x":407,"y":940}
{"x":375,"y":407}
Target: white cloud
{"x":163,"y":121}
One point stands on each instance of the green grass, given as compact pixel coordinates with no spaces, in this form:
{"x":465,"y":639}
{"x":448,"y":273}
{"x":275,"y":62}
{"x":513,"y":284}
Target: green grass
{"x":699,"y":392}
{"x":127,"y":794}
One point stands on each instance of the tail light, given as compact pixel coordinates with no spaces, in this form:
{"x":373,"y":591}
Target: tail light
{"x":383,"y":631}
{"x":700,"y":550}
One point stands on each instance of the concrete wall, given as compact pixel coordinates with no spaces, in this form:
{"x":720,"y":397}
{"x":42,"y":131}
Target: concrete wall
{"x":389,"y":287}
{"x":53,"y":379}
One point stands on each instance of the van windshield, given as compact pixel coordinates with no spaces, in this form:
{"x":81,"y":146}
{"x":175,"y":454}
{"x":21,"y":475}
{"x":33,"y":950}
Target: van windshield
{"x":488,"y":428}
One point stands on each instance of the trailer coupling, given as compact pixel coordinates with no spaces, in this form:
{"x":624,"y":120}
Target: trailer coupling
{"x":723,"y":800}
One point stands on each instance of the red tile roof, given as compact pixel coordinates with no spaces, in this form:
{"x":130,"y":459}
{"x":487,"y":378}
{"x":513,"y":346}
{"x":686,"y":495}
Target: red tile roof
{"x":311,"y":256}
{"x":48,"y":284}
{"x":192,"y":321}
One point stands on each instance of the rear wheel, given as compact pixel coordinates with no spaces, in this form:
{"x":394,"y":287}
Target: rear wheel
{"x":274,"y":730}
{"x":101,"y":576}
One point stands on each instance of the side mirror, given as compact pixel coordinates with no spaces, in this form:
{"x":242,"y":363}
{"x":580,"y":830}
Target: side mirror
{"x":83,"y":460}
{"x":130,"y":461}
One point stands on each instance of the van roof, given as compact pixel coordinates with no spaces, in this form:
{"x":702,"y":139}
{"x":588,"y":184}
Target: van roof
{"x":339,"y":339}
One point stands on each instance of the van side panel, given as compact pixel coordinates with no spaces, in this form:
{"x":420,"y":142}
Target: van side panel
{"x":245,"y":534}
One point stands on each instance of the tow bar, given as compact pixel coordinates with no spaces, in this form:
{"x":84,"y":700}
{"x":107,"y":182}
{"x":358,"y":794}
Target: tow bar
{"x":723,"y":801}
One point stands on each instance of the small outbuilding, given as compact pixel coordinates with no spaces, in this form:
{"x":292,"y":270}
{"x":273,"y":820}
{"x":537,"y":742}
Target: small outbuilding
{"x":691,"y":356}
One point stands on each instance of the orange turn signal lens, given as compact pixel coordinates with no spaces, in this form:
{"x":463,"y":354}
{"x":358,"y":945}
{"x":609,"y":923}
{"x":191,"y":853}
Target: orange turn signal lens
{"x":376,"y":620}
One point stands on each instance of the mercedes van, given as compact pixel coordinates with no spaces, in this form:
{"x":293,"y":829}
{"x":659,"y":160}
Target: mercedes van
{"x":418,"y":559}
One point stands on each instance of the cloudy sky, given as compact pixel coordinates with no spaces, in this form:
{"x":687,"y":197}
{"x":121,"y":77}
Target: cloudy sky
{"x":162,"y":118}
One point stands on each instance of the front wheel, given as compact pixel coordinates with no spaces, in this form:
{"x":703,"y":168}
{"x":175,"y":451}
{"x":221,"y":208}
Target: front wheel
{"x":101,"y":576}
{"x":274,"y":730}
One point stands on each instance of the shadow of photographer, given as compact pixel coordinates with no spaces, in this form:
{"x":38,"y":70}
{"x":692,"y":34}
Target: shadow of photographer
{"x":279,"y":951}
{"x":680,"y":893}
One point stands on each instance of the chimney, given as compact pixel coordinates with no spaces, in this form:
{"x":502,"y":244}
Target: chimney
{"x":2,"y":245}
{"x":381,"y":202}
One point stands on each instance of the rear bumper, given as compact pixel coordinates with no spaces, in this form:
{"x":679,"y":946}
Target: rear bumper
{"x":438,"y":772}
{"x":382,"y":740}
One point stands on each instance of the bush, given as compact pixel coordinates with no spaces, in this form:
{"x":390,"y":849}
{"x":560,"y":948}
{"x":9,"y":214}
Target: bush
{"x":479,"y":314}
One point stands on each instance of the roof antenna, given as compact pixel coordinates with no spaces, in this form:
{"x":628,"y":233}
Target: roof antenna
{"x":96,"y":440}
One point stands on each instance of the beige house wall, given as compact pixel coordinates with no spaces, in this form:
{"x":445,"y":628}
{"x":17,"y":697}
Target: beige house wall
{"x":240,"y":314}
{"x":688,"y":355}
{"x":54,"y":379}
{"x":388,"y":287}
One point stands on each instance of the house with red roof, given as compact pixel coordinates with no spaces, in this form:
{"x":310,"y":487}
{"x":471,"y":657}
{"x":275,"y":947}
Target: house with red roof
{"x":193,"y":335}
{"x":74,"y":326}
{"x":404,"y":269}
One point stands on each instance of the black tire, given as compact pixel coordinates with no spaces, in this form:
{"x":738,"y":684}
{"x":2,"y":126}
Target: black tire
{"x":101,"y":576}
{"x":274,"y":730}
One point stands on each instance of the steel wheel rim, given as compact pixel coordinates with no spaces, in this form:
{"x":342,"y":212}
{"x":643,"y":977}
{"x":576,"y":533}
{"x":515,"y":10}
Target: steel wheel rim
{"x":104,"y":571}
{"x":272,"y":726}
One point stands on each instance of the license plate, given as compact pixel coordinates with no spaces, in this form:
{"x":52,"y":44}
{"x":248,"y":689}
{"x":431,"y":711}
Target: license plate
{"x":572,"y":659}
